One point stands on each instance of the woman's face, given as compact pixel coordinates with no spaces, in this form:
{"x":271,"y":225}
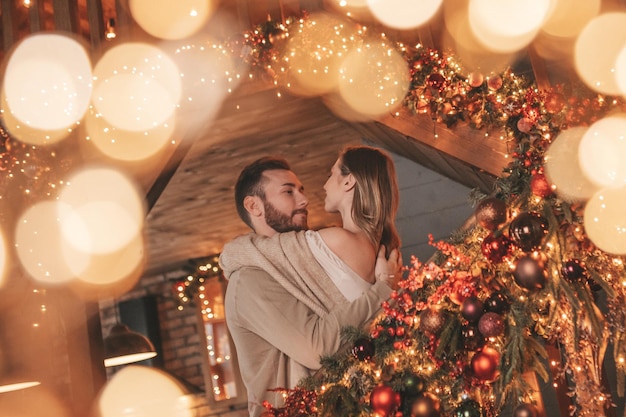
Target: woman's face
{"x":334,"y":189}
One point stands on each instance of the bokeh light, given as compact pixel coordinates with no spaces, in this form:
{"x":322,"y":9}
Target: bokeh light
{"x":208,"y":73}
{"x":47,"y":84}
{"x":563,"y":168}
{"x":126,"y":145}
{"x":602,"y":151}
{"x":166,"y":19}
{"x":315,"y":52}
{"x":597,"y":49}
{"x":136,"y":86}
{"x":492,"y":24}
{"x":106,"y":212}
{"x":3,"y":259}
{"x":374,"y":79}
{"x":568,"y":17}
{"x":403,"y":14}
{"x":604,"y":220}
{"x":40,"y":244}
{"x":146,"y":391}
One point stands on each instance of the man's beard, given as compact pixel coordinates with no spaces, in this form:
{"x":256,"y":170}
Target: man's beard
{"x":282,"y":222}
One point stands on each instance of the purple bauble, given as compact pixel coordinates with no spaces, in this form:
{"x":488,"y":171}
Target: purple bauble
{"x":363,"y":349}
{"x":472,"y":339}
{"x":527,"y":231}
{"x":573,"y":270}
{"x":497,"y":302}
{"x":491,"y":325}
{"x":529,"y":273}
{"x":472,"y":308}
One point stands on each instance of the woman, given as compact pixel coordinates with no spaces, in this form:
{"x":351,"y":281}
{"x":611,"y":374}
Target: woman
{"x":362,"y":188}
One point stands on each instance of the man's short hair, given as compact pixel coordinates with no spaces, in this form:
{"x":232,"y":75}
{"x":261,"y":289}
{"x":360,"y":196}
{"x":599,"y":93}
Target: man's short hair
{"x":250,"y":182}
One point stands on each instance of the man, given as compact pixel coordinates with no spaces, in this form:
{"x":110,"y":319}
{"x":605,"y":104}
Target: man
{"x":280,"y":330}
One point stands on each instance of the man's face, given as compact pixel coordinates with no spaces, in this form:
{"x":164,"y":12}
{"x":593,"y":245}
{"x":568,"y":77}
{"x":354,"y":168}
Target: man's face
{"x":285,"y":203}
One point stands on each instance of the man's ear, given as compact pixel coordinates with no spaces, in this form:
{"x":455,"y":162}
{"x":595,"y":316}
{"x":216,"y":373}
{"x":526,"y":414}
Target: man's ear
{"x":349,"y":182}
{"x":253,"y":205}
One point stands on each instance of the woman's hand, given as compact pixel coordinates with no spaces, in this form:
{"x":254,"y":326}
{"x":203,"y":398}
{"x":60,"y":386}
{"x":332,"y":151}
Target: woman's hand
{"x":389,"y":270}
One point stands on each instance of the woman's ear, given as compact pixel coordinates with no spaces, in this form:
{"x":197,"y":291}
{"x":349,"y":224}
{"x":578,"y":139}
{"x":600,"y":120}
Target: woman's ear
{"x":253,"y":205}
{"x":349,"y":182}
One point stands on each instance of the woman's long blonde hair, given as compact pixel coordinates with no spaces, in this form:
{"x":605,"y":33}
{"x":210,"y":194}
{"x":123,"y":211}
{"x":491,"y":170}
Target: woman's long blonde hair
{"x":376,"y":195}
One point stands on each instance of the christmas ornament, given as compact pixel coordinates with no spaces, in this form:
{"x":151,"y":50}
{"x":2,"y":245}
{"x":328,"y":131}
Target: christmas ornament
{"x":491,"y":325}
{"x":527,"y":230}
{"x":384,"y":400}
{"x":468,"y":408}
{"x":432,"y":320}
{"x":436,"y":81}
{"x":363,"y":349}
{"x":529,"y":273}
{"x":525,"y":410}
{"x":426,"y":405}
{"x":494,"y":83}
{"x":525,"y":124}
{"x":485,"y":364}
{"x":573,"y":270}
{"x":472,"y":308}
{"x":413,"y":384}
{"x":497,"y":302}
{"x":472,"y":339}
{"x":496,"y":248}
{"x":475,"y":79}
{"x":490,"y":213}
{"x":540,"y":186}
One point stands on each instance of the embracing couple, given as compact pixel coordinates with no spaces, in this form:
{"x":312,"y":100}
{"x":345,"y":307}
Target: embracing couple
{"x":292,"y":290}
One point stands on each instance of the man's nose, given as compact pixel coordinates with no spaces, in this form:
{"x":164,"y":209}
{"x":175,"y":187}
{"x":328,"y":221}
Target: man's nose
{"x":302,"y":201}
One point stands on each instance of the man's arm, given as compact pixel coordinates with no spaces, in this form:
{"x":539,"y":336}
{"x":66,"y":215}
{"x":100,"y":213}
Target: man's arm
{"x":264,"y":307}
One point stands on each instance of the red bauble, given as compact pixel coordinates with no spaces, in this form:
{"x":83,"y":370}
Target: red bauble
{"x":436,"y":80}
{"x":494,"y":83}
{"x":529,"y":273}
{"x":490,"y":213}
{"x":384,"y":400}
{"x":485,"y":364}
{"x":491,"y":325}
{"x":540,"y":186}
{"x":475,"y":79}
{"x":426,"y":405}
{"x":496,"y":248}
{"x":525,"y":124}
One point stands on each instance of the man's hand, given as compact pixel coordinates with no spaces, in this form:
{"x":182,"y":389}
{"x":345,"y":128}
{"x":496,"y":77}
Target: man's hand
{"x":389,"y":270}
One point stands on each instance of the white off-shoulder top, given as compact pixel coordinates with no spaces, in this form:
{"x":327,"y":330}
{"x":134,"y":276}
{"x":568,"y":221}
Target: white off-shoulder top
{"x":347,"y":281}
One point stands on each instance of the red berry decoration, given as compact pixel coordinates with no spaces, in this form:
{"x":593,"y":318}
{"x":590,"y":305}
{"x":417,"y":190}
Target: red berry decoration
{"x":491,"y":325}
{"x":496,"y":248}
{"x":490,"y":213}
{"x":472,"y":308}
{"x":573,"y":270}
{"x":526,"y":410}
{"x":540,"y":186}
{"x":363,"y":349}
{"x":527,"y":231}
{"x":384,"y":400}
{"x":426,"y":405}
{"x":485,"y":364}
{"x":529,"y":273}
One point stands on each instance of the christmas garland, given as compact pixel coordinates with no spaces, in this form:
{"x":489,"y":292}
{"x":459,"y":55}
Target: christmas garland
{"x":466,"y":332}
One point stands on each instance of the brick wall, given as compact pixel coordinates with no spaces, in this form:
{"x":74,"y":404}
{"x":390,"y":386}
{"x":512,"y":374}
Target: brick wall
{"x":181,"y":335}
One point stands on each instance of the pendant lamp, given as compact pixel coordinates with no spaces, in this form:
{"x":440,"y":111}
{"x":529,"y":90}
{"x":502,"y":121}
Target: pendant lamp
{"x":123,"y":346}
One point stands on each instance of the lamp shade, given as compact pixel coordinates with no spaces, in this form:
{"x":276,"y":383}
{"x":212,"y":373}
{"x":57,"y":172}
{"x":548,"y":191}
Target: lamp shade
{"x":124,"y":346}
